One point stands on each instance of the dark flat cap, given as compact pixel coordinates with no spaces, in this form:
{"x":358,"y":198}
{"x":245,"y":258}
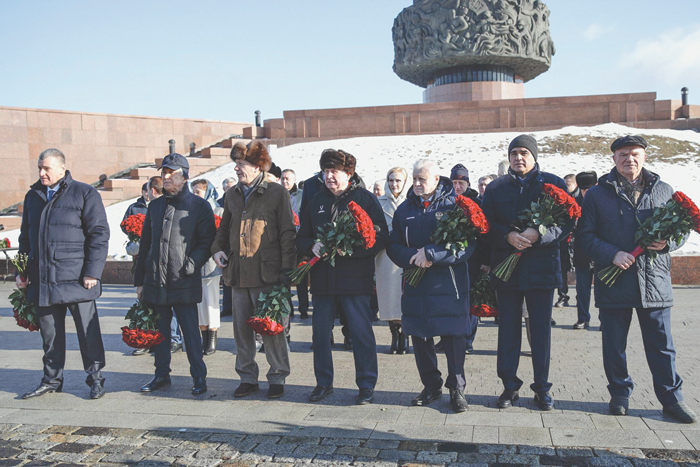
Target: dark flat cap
{"x":629,"y":140}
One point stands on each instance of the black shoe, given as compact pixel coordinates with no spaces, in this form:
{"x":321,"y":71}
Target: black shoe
{"x":210,"y":348}
{"x":580,"y":325}
{"x":544,"y":401}
{"x":457,"y":401}
{"x":158,"y":382}
{"x":200,"y":386}
{"x":347,"y":343}
{"x":394,"y":330}
{"x":553,"y":323}
{"x":469,"y":351}
{"x":140,"y":352}
{"x":303,"y":315}
{"x":97,"y":390}
{"x":175,"y":347}
{"x":205,"y":340}
{"x":507,"y":398}
{"x":245,"y":389}
{"x":320,"y":393}
{"x":681,"y":412}
{"x":262,"y":348}
{"x":41,"y":390}
{"x":366,"y":396}
{"x":403,"y":343}
{"x":426,"y":397}
{"x":619,"y":405}
{"x":275,"y":391}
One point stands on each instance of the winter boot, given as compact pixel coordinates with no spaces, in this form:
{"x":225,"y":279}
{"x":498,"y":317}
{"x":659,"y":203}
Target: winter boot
{"x":205,"y":340}
{"x":211,"y":343}
{"x":403,"y":343}
{"x":394,"y":328}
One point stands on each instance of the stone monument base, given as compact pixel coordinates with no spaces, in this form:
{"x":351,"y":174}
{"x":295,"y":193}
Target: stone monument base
{"x":474,"y":91}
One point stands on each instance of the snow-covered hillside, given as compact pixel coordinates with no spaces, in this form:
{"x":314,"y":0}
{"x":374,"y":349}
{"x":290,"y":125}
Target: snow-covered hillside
{"x":480,"y":153}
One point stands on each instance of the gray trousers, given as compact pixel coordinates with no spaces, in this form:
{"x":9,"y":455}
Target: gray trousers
{"x":52,"y":320}
{"x":244,"y":302}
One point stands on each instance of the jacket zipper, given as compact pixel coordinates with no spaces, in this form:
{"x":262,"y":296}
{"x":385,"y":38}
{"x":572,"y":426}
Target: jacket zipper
{"x":454,"y":282}
{"x":407,"y":236}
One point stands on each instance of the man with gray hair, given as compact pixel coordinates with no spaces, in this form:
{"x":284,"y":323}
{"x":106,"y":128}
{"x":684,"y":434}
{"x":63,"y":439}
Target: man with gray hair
{"x":65,"y":235}
{"x":229,"y":182}
{"x":439,"y":304}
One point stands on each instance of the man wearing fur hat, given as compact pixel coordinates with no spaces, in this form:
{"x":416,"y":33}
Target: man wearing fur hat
{"x":349,"y":284}
{"x":536,"y":276}
{"x":612,"y":213}
{"x":255,"y":247}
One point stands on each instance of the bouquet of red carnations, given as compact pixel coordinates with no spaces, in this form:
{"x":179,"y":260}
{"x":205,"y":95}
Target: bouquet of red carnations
{"x":133,"y":226}
{"x":672,"y":221}
{"x":217,"y":221}
{"x":272,"y":307}
{"x":455,"y":229}
{"x":555,"y":208}
{"x":353,"y":229}
{"x":5,"y":243}
{"x":483,"y":298}
{"x":23,"y":310}
{"x":142,"y":331}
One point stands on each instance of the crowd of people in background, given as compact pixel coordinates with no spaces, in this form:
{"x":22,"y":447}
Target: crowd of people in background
{"x":269,"y":223}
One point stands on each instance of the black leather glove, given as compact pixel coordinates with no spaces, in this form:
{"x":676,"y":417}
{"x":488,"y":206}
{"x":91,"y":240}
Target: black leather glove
{"x":284,"y":277}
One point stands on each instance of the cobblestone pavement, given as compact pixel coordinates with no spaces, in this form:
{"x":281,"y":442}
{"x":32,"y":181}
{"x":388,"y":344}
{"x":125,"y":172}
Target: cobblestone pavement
{"x":173,"y":427}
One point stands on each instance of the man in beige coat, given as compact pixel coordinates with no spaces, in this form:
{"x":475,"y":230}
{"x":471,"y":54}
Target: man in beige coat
{"x":255,"y":248}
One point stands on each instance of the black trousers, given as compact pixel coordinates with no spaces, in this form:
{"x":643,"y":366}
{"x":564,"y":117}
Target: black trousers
{"x":303,"y":294}
{"x":189,"y":324}
{"x":426,"y":361}
{"x":52,"y":320}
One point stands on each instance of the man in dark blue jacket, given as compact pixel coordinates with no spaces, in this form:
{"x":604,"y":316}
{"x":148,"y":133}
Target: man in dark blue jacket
{"x":536,"y":276}
{"x":439,"y":304}
{"x":612,"y":213}
{"x":349,"y":283}
{"x":582,"y":263}
{"x":66,"y":237}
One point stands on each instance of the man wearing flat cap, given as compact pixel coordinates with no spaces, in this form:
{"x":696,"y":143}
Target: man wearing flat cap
{"x":582,"y":263}
{"x":536,"y":276}
{"x":255,"y":248}
{"x":612,"y":212}
{"x":177,"y":235}
{"x":349,"y":283}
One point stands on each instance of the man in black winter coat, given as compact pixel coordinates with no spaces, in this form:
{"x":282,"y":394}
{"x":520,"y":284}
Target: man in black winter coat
{"x":612,"y":213}
{"x":583,"y":264}
{"x":66,"y":237}
{"x":175,"y":242}
{"x":537,"y":273}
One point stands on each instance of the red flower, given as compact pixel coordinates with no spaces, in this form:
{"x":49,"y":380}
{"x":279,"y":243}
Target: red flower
{"x":5,"y":243}
{"x":364,"y":224}
{"x":564,"y":199}
{"x":265,"y":326}
{"x":141,"y":339}
{"x":133,"y":226}
{"x":296,"y":219}
{"x":474,"y":213}
{"x":688,"y":204}
{"x":217,"y":221}
{"x":483,"y":311}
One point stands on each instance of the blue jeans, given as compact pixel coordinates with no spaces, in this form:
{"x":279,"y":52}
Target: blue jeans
{"x":584,"y":279}
{"x":175,"y":333}
{"x":510,"y":331}
{"x":364,"y":345}
{"x":655,"y":324}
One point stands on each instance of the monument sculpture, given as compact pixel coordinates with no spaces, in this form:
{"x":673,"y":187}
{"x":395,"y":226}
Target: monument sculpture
{"x":448,"y":42}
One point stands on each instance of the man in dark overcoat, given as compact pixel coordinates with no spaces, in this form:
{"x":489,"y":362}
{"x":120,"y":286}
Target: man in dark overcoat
{"x":66,"y":237}
{"x":175,"y":242}
{"x":439,"y":304}
{"x":537,"y":273}
{"x":612,"y":213}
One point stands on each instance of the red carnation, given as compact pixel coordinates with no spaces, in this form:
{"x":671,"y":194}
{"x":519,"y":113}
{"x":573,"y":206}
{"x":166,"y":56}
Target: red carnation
{"x":217,"y":221}
{"x":296,"y":219}
{"x":265,"y":326}
{"x":483,"y":311}
{"x":364,"y":224}
{"x":133,"y":226}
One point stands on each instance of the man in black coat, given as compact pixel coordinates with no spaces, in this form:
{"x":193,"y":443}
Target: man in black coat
{"x":612,"y":213}
{"x":583,"y":264}
{"x":537,"y":273}
{"x":65,"y":235}
{"x":175,"y":242}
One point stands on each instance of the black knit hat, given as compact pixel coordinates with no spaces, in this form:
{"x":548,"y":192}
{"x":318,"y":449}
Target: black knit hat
{"x":586,"y":180}
{"x":524,"y":141}
{"x":275,"y":170}
{"x":339,"y":160}
{"x":459,"y":172}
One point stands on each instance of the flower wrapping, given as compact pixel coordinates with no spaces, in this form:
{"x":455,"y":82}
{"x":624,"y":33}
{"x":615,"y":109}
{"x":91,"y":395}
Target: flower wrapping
{"x":142,"y":331}
{"x":23,"y":310}
{"x":133,"y":226}
{"x":482,"y":298}
{"x":672,"y":221}
{"x":455,"y":229}
{"x":270,"y":311}
{"x":555,"y":208}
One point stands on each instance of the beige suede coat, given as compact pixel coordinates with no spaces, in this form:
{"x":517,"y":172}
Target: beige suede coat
{"x":257,"y":235}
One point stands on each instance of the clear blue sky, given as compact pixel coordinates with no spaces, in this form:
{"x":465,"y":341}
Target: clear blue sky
{"x":223,"y":60}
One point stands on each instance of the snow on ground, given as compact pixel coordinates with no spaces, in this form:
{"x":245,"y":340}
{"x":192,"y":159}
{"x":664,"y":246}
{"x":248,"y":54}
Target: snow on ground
{"x":480,"y":153}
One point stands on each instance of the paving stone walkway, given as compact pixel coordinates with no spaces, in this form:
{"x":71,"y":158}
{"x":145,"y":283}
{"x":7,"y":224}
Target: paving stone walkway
{"x":173,"y":427}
